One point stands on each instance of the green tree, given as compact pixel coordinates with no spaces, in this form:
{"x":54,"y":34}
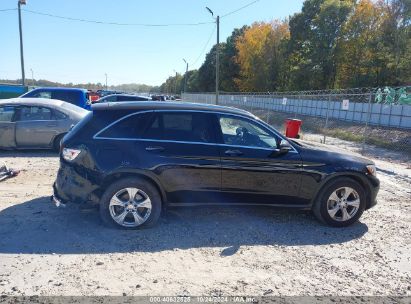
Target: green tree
{"x":315,"y":33}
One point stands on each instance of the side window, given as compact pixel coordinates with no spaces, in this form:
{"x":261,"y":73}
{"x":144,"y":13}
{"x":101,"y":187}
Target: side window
{"x":174,"y":126}
{"x":131,"y":127}
{"x":59,"y":115}
{"x":125,"y":98}
{"x":242,"y":132}
{"x":35,"y":113}
{"x":40,"y":94}
{"x":67,"y":96}
{"x":110,"y":98}
{"x":7,"y":113}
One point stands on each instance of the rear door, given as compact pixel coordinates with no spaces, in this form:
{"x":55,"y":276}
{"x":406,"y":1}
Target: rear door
{"x":7,"y":126}
{"x":181,"y":146}
{"x":35,"y":127}
{"x":177,"y":148}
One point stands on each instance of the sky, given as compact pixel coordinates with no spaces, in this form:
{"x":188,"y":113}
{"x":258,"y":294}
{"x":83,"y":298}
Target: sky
{"x":79,"y":52}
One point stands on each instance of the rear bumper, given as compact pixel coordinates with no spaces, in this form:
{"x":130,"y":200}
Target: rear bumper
{"x":71,"y":186}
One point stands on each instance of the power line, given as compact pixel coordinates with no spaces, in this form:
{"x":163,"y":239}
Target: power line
{"x":205,"y":46}
{"x":8,"y":9}
{"x":239,"y":9}
{"x":115,"y":23}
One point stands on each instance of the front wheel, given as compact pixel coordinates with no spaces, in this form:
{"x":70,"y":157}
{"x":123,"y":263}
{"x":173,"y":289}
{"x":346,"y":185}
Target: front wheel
{"x":340,"y":203}
{"x":130,"y":203}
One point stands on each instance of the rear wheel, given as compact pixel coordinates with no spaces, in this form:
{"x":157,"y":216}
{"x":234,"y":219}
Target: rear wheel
{"x":340,"y":203}
{"x":130,"y":203}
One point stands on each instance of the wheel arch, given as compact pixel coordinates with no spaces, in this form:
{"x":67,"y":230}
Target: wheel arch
{"x":115,"y":176}
{"x":355,"y":176}
{"x":57,"y":136}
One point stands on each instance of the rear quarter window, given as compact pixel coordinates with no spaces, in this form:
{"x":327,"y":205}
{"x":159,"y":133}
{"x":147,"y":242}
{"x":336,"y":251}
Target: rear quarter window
{"x":72,"y":97}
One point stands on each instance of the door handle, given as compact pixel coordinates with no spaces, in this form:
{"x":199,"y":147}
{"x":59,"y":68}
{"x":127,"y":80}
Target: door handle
{"x":154,"y":148}
{"x":233,"y":153}
{"x":52,"y":125}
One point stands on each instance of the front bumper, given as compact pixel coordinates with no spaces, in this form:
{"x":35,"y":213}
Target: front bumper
{"x":374,"y":188}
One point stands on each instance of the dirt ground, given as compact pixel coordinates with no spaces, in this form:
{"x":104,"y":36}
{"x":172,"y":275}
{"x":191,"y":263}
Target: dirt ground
{"x":46,"y":250}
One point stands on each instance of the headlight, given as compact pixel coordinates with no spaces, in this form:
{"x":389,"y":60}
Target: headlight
{"x":70,"y":154}
{"x":371,"y":170}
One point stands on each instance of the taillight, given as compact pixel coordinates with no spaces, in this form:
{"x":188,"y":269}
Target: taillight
{"x":70,"y":154}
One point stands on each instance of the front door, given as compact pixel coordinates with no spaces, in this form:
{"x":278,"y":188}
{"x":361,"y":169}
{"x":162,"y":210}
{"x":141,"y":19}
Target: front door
{"x":253,"y":171}
{"x":35,"y":127}
{"x":7,"y":127}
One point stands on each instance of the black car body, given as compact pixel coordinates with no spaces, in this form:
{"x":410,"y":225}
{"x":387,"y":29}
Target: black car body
{"x":190,"y":154}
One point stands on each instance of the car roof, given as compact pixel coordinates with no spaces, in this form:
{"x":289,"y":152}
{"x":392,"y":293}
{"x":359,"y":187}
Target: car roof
{"x":32,"y":102}
{"x":168,"y":105}
{"x":125,"y":95}
{"x":59,"y":89}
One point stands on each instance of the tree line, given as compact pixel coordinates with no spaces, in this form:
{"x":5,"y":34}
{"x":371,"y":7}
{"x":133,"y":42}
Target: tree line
{"x":330,"y":44}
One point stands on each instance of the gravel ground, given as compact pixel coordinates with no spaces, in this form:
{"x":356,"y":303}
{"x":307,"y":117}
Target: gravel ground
{"x":46,"y":250}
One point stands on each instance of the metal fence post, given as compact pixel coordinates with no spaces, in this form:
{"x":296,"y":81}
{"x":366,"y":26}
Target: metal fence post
{"x":326,"y":118}
{"x":366,"y":123}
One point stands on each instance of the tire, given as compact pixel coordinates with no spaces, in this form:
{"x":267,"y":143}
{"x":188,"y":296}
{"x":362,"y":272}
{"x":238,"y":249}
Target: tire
{"x":141,"y":212}
{"x":56,"y":142}
{"x":331,"y":202}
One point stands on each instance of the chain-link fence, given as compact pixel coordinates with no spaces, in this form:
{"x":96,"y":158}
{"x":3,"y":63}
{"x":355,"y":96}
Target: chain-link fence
{"x":363,"y":119}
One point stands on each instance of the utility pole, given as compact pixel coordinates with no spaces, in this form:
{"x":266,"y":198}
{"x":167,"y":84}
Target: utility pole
{"x":175,"y":83}
{"x":32,"y":77}
{"x":217,"y":59}
{"x":23,"y":77}
{"x":217,"y":63}
{"x":106,"y":80}
{"x":185,"y":76}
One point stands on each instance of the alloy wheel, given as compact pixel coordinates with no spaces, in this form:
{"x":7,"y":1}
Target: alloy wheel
{"x":130,"y":207}
{"x":343,"y":204}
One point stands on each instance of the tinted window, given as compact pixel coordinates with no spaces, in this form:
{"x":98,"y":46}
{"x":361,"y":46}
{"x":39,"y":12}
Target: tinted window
{"x":67,"y":96}
{"x":109,"y":98}
{"x":130,"y":127}
{"x":59,"y":115}
{"x":192,"y":127}
{"x":186,"y":126}
{"x":39,"y":94}
{"x":131,"y":98}
{"x":35,"y":113}
{"x":6,"y":113}
{"x":241,"y":132}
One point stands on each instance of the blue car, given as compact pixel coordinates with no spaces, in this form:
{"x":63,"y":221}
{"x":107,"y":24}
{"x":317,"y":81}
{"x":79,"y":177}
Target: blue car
{"x":78,"y":97}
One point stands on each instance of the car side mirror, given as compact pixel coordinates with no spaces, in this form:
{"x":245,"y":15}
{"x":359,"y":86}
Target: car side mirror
{"x":285,"y":146}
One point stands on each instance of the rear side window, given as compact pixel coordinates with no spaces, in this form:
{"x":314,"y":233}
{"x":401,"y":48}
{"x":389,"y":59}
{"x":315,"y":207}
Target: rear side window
{"x":130,"y":127}
{"x":193,"y":127}
{"x":170,"y":126}
{"x":131,"y":98}
{"x":34,"y":113}
{"x":67,"y":96}
{"x":59,"y":115}
{"x":39,"y":94}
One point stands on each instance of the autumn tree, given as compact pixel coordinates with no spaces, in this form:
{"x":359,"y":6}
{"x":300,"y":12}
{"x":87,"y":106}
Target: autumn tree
{"x":260,"y":56}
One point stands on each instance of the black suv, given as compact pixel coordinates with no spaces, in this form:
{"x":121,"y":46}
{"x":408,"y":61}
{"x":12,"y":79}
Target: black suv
{"x":136,"y":158}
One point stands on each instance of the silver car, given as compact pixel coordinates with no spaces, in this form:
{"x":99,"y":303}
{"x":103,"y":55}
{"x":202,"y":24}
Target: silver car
{"x":32,"y":123}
